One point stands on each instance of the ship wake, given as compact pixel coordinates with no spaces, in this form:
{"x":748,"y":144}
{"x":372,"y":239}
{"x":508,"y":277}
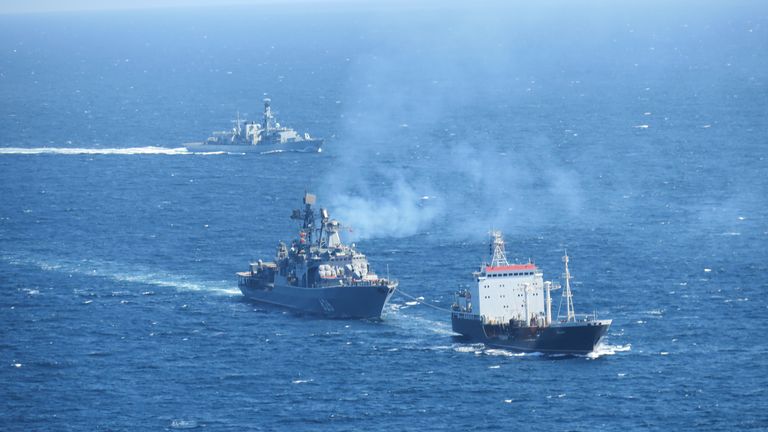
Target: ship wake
{"x":149,"y":150}
{"x":602,"y":350}
{"x":117,"y":273}
{"x":394,"y":314}
{"x":480,"y":349}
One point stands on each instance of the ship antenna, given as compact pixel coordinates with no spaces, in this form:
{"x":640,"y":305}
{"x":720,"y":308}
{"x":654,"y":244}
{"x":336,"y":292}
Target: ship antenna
{"x":567,"y":292}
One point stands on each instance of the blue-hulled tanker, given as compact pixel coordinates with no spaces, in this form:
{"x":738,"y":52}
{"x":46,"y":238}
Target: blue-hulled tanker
{"x":510,"y":306}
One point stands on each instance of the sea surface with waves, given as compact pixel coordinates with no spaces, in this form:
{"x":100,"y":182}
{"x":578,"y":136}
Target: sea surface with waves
{"x":634,"y":137}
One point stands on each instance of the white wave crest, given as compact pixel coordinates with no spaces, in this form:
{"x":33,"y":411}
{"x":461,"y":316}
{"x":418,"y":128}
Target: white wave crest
{"x":472,"y":348}
{"x":503,"y":353}
{"x":606,"y":350}
{"x":184,"y":424}
{"x":150,"y":150}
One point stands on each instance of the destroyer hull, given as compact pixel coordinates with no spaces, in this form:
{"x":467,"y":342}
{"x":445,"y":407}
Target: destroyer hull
{"x":357,"y":302}
{"x":304,"y":146}
{"x":565,"y":338}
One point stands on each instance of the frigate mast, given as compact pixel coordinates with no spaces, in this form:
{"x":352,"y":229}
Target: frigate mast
{"x":268,"y":115}
{"x":238,"y":127}
{"x":567,"y":292}
{"x":307,"y":217}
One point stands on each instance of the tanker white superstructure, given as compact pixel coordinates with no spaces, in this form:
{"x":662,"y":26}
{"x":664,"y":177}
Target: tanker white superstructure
{"x":510,"y":305}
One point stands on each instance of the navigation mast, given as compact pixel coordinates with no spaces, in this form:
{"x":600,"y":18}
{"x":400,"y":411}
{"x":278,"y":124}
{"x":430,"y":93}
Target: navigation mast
{"x":567,"y":292}
{"x":499,"y":256}
{"x":267,"y":114}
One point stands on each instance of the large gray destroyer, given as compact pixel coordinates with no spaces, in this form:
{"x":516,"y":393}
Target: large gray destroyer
{"x":265,"y":137}
{"x":318,"y":274}
{"x":510,"y":306}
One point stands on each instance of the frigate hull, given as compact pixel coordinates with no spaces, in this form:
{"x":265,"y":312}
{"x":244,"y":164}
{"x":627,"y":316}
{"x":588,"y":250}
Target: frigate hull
{"x":558,"y":338}
{"x":304,"y":146}
{"x":357,"y":302}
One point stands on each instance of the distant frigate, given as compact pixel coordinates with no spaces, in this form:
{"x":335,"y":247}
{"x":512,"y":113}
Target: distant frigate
{"x":265,"y":137}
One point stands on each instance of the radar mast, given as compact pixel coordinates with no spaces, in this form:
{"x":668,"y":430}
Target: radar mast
{"x":567,"y":292}
{"x":268,"y":117}
{"x":499,"y":256}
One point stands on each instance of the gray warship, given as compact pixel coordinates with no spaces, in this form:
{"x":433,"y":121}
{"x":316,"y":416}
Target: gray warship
{"x":318,"y":274}
{"x":510,"y":306}
{"x":265,"y":137}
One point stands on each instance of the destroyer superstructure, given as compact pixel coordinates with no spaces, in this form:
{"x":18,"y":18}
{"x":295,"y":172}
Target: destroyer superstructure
{"x":510,"y":306}
{"x":318,"y":274}
{"x":265,"y":136}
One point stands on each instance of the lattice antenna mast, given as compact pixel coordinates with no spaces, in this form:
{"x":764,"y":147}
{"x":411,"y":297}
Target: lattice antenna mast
{"x":499,"y":255}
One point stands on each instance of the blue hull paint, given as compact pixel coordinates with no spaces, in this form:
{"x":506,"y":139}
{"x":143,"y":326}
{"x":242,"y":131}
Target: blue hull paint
{"x":304,"y":146}
{"x":356,"y":302}
{"x":579,"y":338}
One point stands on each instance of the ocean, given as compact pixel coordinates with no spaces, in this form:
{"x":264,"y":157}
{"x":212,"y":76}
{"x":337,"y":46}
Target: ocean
{"x":633,"y":136}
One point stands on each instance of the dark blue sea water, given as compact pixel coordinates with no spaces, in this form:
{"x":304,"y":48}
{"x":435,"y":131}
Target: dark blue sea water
{"x":634,"y":136}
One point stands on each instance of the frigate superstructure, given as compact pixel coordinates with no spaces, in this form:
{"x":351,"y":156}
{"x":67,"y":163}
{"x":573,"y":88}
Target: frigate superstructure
{"x":264,"y":137}
{"x":318,"y":274}
{"x":510,"y":306}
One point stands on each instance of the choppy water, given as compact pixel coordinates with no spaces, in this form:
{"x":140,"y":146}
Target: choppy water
{"x":638,"y":145}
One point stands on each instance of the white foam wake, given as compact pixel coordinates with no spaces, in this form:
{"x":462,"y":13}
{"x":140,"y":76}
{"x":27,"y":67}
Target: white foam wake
{"x":176,"y":282}
{"x":118,"y":274}
{"x":415,"y":322}
{"x":150,"y":150}
{"x":606,"y":350}
{"x":481,"y":349}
